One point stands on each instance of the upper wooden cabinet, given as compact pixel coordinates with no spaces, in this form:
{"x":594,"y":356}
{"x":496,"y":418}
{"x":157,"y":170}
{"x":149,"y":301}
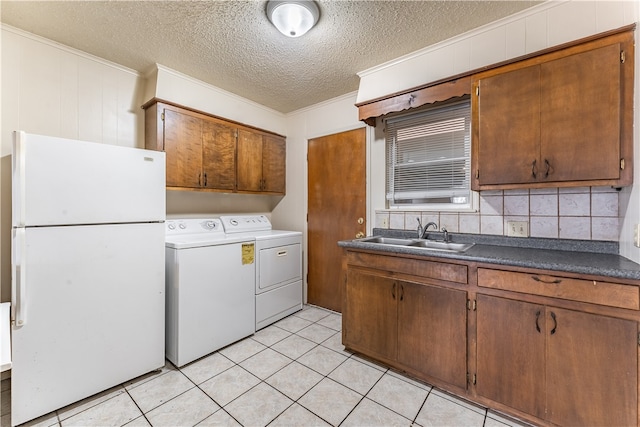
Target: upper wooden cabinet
{"x":261,"y":162}
{"x":560,"y":119}
{"x":208,"y":153}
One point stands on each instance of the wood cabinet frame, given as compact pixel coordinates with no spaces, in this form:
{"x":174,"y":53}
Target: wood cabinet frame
{"x":625,"y":39}
{"x":265,"y":174}
{"x":589,"y":297}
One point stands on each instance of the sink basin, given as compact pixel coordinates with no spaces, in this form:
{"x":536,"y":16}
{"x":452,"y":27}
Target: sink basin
{"x":441,"y":246}
{"x":386,"y":240}
{"x":418,"y":243}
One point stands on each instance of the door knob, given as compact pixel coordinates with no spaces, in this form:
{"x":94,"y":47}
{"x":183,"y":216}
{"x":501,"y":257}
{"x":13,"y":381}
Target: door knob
{"x":359,"y":235}
{"x":360,"y":221}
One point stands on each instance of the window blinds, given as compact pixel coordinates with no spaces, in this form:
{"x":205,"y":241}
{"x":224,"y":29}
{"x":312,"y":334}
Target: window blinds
{"x":429,"y":156}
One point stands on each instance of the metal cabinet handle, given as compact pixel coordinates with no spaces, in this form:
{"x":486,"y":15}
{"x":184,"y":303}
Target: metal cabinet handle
{"x":401,"y":292}
{"x":534,"y":169}
{"x":555,"y":323}
{"x":538,"y":321}
{"x":393,"y":291}
{"x":552,"y":282}
{"x":359,"y":235}
{"x":547,"y":168}
{"x":205,"y":179}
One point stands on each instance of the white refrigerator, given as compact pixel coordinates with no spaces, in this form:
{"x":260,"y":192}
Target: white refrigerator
{"x":87,"y":269}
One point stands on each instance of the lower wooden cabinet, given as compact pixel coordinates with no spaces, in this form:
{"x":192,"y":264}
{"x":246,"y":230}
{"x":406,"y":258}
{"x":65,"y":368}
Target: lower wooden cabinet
{"x":417,"y":327}
{"x":564,"y":366}
{"x":552,"y":349}
{"x":432,"y":331}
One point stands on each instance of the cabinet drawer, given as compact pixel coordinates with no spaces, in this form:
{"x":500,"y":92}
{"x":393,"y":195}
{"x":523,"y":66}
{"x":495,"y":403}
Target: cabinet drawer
{"x":428,"y":269}
{"x":591,"y":291}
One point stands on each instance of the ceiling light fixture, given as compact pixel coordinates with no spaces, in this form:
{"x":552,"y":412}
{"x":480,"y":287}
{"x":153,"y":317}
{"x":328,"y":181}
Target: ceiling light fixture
{"x":293,"y":18}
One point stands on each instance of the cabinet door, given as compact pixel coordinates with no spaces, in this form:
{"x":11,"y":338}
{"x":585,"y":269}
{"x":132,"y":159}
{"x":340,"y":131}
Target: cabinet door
{"x":249,"y":161}
{"x":509,"y":127}
{"x":274,"y":156}
{"x":592,"y":369}
{"x":432,"y":331}
{"x":183,"y":148}
{"x":511,"y":353}
{"x":580,"y":116}
{"x":370,"y":314}
{"x":218,"y":156}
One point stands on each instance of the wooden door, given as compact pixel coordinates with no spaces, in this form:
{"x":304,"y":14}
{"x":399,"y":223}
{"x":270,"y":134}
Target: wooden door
{"x":511,"y":353}
{"x":249,"y":161}
{"x":336,"y":210}
{"x":218,"y":155}
{"x":274,"y":159}
{"x":432,"y":331}
{"x":371,"y":316}
{"x":509,"y":127}
{"x":183,"y":148}
{"x":591,"y":377}
{"x":580,"y":114}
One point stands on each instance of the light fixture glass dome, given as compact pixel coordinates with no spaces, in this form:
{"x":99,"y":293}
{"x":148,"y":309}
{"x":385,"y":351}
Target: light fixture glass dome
{"x":293,"y":18}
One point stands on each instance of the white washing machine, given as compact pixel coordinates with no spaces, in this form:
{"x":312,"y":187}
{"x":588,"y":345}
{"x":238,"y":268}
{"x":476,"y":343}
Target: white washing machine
{"x":278,"y":283}
{"x":210,"y":282}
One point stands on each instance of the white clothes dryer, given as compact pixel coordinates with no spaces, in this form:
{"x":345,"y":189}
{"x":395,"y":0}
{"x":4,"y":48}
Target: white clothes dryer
{"x":278,"y":282}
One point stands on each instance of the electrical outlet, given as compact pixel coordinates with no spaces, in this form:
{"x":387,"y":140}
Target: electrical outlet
{"x":517,"y":228}
{"x":384,"y":223}
{"x":636,"y":235}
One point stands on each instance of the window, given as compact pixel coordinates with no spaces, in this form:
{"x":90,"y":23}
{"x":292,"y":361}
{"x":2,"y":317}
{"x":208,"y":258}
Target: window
{"x":429,"y":158}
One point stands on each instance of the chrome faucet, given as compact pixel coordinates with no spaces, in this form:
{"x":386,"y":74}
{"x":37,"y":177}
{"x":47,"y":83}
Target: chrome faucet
{"x":422,"y":231}
{"x":446,"y":237}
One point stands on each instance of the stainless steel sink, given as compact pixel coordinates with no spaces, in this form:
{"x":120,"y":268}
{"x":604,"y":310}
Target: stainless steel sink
{"x":386,"y":240}
{"x":441,"y":246}
{"x":418,"y":243}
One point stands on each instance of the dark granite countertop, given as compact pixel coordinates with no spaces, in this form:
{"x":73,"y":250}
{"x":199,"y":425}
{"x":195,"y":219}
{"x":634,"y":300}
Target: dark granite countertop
{"x":575,"y":256}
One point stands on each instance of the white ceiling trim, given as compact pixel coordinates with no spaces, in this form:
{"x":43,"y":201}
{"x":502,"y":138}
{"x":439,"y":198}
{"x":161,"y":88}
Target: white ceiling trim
{"x":68,"y":49}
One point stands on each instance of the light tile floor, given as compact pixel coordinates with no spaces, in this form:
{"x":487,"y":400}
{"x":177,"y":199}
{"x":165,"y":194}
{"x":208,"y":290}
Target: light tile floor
{"x":293,"y":373}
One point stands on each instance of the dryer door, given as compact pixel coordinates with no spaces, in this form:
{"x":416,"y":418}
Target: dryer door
{"x":278,"y":266}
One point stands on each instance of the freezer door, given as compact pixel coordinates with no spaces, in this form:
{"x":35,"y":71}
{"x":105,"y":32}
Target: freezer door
{"x":58,"y":181}
{"x":93,"y":313}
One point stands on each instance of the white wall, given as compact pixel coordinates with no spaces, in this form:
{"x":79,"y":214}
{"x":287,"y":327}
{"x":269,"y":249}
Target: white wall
{"x":543,"y":26}
{"x":53,"y":90}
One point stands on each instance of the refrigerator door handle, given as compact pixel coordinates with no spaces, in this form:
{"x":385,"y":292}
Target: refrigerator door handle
{"x":19,"y":179}
{"x":18,"y":282}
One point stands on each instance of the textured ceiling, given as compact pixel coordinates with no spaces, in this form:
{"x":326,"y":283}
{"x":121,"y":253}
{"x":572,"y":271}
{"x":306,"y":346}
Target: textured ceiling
{"x":231,"y":44}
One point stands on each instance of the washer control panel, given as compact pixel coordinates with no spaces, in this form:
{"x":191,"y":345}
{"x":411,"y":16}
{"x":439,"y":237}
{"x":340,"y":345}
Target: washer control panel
{"x":193,"y":226}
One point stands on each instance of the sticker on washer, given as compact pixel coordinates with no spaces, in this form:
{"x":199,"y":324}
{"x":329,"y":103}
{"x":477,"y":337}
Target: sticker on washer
{"x":248,"y":253}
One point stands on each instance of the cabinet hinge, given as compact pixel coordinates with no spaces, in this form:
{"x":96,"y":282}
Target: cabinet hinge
{"x":622,"y":57}
{"x":162,"y":117}
{"x":621,"y":164}
{"x":477,"y":90}
{"x":478,"y":174}
{"x":471,"y":305}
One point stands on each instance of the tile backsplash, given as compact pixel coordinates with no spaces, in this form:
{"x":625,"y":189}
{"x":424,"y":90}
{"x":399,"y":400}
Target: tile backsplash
{"x":585,"y":213}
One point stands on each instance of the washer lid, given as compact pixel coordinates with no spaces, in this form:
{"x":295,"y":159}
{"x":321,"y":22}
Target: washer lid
{"x":186,"y":241}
